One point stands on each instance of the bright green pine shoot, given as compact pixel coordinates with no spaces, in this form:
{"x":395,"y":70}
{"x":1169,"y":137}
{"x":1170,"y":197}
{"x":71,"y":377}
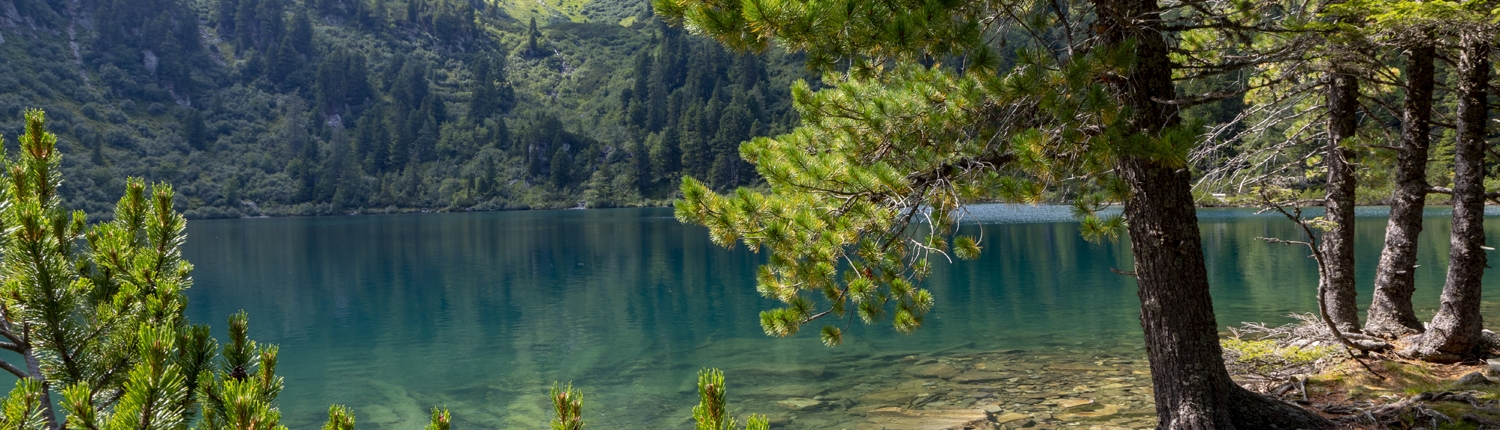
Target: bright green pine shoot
{"x":757,"y":422}
{"x":340,"y":417}
{"x":567,"y":403}
{"x":440,"y":419}
{"x":712,"y":412}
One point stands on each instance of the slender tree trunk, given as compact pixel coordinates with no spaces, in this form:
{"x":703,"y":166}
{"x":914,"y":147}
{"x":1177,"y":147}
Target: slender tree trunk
{"x":34,"y":367}
{"x":1338,"y":242}
{"x":1390,"y":310}
{"x":1456,"y":329}
{"x":1192,"y":388}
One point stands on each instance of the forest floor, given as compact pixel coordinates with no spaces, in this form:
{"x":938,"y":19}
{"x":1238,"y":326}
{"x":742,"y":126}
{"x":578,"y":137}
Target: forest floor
{"x":1403,"y":394}
{"x":1379,"y":390}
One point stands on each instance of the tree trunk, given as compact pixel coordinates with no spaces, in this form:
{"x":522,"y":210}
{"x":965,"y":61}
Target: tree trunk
{"x":34,"y":367}
{"x":1456,"y":329}
{"x":1390,"y":310}
{"x":1192,"y":388}
{"x":1338,"y":242}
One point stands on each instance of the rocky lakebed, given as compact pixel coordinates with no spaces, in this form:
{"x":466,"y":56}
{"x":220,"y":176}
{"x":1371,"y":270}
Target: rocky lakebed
{"x":1040,"y":389}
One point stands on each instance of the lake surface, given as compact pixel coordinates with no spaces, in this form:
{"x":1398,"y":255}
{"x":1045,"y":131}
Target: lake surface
{"x":481,"y":312}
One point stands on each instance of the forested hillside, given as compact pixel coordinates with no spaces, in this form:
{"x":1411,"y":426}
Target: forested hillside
{"x":287,"y":107}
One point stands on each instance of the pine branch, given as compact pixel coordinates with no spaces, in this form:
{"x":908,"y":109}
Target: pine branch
{"x":13,"y":369}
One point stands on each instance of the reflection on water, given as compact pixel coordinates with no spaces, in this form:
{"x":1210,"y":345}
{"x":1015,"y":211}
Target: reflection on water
{"x":482,"y":311}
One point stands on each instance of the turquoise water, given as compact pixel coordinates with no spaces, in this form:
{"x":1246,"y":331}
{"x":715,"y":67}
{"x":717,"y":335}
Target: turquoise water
{"x":481,"y":312}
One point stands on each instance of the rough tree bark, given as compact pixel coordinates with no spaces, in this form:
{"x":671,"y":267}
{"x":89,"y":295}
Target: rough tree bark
{"x":1391,"y":312}
{"x":1192,"y":388}
{"x":1457,"y":328}
{"x":1338,"y":241}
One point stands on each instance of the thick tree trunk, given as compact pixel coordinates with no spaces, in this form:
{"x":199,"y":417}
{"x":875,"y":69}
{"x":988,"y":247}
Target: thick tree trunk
{"x":1192,"y":388}
{"x":1456,"y":329}
{"x":1338,"y":242}
{"x":1390,"y":310}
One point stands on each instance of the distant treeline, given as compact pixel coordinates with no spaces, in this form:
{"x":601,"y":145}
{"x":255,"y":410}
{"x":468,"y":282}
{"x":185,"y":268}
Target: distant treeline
{"x":279,"y":107}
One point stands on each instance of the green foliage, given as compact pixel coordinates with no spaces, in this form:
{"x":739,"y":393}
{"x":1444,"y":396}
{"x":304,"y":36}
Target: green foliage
{"x":567,"y":404}
{"x":242,"y":393}
{"x":869,"y":33}
{"x":155,"y":393}
{"x":23,"y":408}
{"x":712,"y":412}
{"x":440,"y":419}
{"x":757,"y":422}
{"x":340,"y":106}
{"x":340,"y":417}
{"x":96,"y":311}
{"x":1268,"y":356}
{"x":916,"y":118}
{"x":99,"y":307}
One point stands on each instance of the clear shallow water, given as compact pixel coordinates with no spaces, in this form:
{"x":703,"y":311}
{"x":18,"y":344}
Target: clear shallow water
{"x":482,"y":311}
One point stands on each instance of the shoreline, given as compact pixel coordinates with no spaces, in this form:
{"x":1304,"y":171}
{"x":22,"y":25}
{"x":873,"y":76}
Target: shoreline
{"x":410,"y":211}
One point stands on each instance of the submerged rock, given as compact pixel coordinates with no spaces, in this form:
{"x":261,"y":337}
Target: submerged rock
{"x":936,"y":370}
{"x":1102,"y":412}
{"x":1009,"y":417}
{"x":771,"y":370}
{"x":977,"y":377}
{"x":802,"y":404}
{"x":1078,"y":367}
{"x":1073,"y":403}
{"x":783,"y":391}
{"x":889,"y":397}
{"x":893,"y":418}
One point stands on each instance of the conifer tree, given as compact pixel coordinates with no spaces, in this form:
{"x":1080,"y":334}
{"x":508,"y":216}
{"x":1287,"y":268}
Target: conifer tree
{"x":1456,"y":332}
{"x":712,"y":412}
{"x":339,"y":418}
{"x":482,"y":98}
{"x":225,"y":17}
{"x":561,"y":167}
{"x":1391,"y":311}
{"x":531,"y":46}
{"x":896,"y":136}
{"x":1338,"y":288}
{"x":441,"y":420}
{"x":666,"y":155}
{"x":301,"y":34}
{"x":95,"y":312}
{"x":567,"y":407}
{"x":194,"y":131}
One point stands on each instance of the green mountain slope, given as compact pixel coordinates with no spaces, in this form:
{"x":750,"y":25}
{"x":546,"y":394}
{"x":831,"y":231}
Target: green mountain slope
{"x":282,"y":107}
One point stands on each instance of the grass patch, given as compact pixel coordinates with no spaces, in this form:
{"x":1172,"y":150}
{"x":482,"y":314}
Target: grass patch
{"x":1270,"y":359}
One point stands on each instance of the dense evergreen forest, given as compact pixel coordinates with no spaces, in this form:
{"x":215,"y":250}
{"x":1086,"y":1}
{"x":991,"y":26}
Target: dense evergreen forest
{"x":284,"y":107}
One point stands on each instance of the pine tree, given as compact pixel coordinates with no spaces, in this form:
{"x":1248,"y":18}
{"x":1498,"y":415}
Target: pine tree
{"x":301,"y":35}
{"x":194,"y":131}
{"x":83,"y":300}
{"x":482,"y":96}
{"x":893,"y":134}
{"x":339,"y":418}
{"x":666,"y":155}
{"x":567,"y":406}
{"x":441,"y":420}
{"x":246,"y":26}
{"x":1391,"y":309}
{"x":712,"y":412}
{"x":697,"y":154}
{"x":733,"y":128}
{"x":1456,"y":332}
{"x":225,"y":17}
{"x":561,"y":169}
{"x":531,"y":46}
